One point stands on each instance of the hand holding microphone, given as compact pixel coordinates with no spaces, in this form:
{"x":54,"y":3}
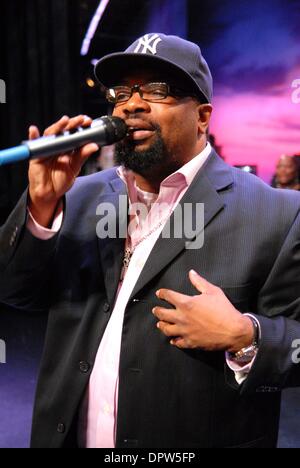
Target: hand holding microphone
{"x":51,"y":177}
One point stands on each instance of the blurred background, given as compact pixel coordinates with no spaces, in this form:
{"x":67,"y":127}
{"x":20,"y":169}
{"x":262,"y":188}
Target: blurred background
{"x":47,"y":62}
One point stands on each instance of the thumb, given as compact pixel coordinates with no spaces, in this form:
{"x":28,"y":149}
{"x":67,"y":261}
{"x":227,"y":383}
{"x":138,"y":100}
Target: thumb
{"x":79,"y":157}
{"x":200,"y":283}
{"x":87,"y":151}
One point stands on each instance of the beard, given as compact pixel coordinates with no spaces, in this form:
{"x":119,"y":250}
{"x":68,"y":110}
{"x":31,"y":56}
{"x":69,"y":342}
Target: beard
{"x":144,"y":162}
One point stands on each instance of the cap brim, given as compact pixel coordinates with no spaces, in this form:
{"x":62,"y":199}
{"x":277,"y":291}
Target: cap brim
{"x":110,"y":70}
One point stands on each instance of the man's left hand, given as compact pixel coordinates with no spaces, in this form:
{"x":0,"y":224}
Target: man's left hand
{"x":207,"y":321}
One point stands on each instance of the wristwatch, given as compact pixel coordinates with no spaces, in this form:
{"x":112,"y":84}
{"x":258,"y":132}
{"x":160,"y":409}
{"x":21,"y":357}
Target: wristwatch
{"x":245,"y":355}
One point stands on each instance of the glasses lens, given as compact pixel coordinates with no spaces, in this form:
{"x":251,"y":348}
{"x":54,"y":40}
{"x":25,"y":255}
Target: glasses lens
{"x":118,"y":94}
{"x":155,"y":91}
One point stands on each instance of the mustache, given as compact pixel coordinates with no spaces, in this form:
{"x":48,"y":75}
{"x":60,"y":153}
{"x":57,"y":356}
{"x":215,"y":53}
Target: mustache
{"x":148,"y":122}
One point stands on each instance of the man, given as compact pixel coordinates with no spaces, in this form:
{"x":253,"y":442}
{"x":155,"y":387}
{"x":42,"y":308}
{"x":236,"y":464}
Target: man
{"x":148,"y":343}
{"x":287,"y":173}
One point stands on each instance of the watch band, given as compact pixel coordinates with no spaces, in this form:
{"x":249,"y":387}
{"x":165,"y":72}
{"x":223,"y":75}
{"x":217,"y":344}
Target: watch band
{"x":256,"y":329}
{"x":247,"y":354}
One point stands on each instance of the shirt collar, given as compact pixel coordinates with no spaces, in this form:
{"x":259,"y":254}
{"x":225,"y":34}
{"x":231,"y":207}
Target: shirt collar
{"x":185,"y":174}
{"x":190,"y":170}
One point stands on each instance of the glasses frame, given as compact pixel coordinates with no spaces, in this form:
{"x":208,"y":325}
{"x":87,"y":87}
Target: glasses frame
{"x":170,"y":91}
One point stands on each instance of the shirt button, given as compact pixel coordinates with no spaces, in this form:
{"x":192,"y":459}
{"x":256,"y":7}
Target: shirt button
{"x":61,"y":428}
{"x":84,"y":367}
{"x":106,"y":307}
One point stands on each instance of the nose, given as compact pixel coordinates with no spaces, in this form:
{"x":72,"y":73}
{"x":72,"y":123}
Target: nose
{"x":135,"y":104}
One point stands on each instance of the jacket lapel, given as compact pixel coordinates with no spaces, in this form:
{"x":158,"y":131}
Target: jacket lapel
{"x":111,"y":249}
{"x":213,"y":177}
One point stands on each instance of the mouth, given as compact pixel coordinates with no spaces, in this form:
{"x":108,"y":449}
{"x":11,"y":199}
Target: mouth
{"x":139,"y":130}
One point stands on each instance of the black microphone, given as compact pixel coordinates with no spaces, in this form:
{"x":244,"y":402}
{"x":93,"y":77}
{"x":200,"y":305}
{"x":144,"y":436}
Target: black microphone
{"x":103,"y":131}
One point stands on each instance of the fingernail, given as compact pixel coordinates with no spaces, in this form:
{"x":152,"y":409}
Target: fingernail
{"x":158,"y":326}
{"x":153,"y":311}
{"x":193,"y":272}
{"x":157,"y":293}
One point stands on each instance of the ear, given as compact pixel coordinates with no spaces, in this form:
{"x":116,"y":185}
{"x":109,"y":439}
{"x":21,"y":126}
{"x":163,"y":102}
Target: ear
{"x":204,"y":115}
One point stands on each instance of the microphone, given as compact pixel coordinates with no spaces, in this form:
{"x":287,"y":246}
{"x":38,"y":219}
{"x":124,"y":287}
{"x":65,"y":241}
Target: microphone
{"x":103,"y":131}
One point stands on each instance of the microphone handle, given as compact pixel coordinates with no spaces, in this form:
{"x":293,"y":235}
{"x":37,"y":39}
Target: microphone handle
{"x":13,"y":155}
{"x":54,"y":145}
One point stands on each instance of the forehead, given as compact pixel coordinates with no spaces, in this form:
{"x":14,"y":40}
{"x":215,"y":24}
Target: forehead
{"x":287,"y":162}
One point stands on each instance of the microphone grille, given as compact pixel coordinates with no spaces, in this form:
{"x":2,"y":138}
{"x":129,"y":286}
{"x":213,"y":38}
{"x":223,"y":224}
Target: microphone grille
{"x":116,"y":129}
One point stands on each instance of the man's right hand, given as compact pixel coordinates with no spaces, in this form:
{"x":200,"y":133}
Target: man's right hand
{"x":51,"y":178}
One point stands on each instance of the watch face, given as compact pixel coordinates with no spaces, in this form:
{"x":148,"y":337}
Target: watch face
{"x":245,"y":355}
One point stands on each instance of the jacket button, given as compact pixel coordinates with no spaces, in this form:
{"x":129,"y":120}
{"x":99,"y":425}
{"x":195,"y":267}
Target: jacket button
{"x":14,"y":236}
{"x":61,"y":428}
{"x":106,"y":307}
{"x":12,"y":240}
{"x":84,"y":367}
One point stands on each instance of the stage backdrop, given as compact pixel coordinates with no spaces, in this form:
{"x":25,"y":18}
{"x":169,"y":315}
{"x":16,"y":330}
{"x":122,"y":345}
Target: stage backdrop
{"x":253,"y":48}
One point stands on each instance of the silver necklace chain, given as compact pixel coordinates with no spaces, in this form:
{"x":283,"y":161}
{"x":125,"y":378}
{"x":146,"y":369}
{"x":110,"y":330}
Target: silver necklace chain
{"x":129,"y":251}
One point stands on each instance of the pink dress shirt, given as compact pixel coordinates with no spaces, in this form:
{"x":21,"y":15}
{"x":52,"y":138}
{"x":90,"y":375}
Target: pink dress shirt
{"x":98,"y":415}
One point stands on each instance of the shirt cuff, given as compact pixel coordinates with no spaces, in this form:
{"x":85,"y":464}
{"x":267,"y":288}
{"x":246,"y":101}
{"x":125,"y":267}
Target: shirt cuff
{"x":41,"y":232}
{"x":241,"y":373}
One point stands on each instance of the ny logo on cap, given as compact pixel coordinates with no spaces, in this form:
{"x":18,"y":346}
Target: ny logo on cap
{"x":148,"y":43}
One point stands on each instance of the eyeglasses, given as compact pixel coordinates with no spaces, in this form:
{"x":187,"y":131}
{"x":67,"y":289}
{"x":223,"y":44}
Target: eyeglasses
{"x":152,"y":92}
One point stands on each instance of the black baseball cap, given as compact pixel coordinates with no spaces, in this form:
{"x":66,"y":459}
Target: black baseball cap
{"x":175,"y":56}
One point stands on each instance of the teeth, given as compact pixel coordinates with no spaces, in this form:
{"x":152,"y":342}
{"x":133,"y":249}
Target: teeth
{"x":132,"y":130}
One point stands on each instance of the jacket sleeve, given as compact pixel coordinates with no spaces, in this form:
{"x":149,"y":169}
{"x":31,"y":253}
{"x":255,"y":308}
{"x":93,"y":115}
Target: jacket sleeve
{"x":278,"y":311}
{"x":25,"y":263}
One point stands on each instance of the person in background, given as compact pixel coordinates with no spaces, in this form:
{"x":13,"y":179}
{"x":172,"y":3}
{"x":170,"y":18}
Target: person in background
{"x":287,"y":173}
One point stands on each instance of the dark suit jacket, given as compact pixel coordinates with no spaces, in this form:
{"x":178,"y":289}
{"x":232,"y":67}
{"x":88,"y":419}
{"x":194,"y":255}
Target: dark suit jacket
{"x":167,"y":397}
